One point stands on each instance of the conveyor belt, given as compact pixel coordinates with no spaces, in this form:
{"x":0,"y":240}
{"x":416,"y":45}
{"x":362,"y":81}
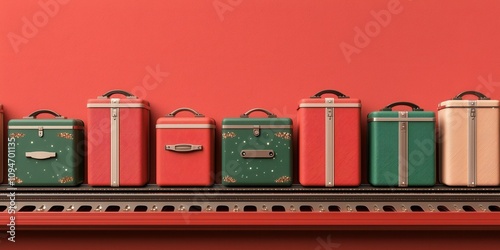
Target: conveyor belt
{"x":293,"y":188}
{"x":152,"y":198}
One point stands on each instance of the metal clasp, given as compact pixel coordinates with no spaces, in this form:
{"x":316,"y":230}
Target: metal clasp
{"x":473,"y":109}
{"x":114,"y":111}
{"x":256,"y":130}
{"x":40,"y":131}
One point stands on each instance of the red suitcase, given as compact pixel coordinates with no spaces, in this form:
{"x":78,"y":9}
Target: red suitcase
{"x":329,"y":140}
{"x":118,"y":136}
{"x":185,"y":150}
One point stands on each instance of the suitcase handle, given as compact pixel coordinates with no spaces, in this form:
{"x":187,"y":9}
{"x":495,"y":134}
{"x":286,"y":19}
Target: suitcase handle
{"x":116,"y":91}
{"x":479,"y":95}
{"x":44,"y":111}
{"x":329,"y":91}
{"x":173,"y":113}
{"x":269,"y":114}
{"x":183,"y":147}
{"x":413,"y":106}
{"x":40,"y":155}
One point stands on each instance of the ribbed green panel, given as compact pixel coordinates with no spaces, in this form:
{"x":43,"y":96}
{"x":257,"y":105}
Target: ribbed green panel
{"x":66,"y":169}
{"x":421,"y":154}
{"x":238,"y":171}
{"x":383,"y":150}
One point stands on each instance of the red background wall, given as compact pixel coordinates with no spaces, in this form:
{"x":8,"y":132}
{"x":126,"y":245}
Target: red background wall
{"x":223,"y":57}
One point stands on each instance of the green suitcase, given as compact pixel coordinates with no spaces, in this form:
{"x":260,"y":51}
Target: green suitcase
{"x":402,"y":148}
{"x":48,"y":152}
{"x":257,"y":151}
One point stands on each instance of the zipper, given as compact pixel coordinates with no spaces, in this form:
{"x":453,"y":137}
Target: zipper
{"x":472,"y":144}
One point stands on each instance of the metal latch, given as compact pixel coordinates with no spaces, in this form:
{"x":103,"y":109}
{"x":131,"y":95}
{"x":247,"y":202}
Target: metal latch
{"x":257,"y":153}
{"x":403,"y":124}
{"x":256,"y":130}
{"x":114,"y":111}
{"x":114,"y":114}
{"x":472,"y":109}
{"x":183,"y":147}
{"x":40,"y":131}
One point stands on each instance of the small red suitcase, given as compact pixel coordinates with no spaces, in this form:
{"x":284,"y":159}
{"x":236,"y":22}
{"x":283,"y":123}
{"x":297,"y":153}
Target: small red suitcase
{"x":329,"y":140}
{"x":185,"y":150}
{"x":118,"y":136}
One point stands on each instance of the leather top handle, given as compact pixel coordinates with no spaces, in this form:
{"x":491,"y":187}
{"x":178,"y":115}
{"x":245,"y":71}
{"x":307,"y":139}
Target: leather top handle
{"x":44,"y":111}
{"x":413,"y":106}
{"x":329,"y":91}
{"x":269,"y":114}
{"x":479,"y":95}
{"x":173,"y":113}
{"x":117,"y":91}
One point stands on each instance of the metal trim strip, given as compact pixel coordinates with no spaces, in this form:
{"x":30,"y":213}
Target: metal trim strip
{"x":330,"y":105}
{"x":185,"y":126}
{"x":400,"y":119}
{"x":252,"y":126}
{"x":45,"y":127}
{"x":113,"y":105}
{"x":445,"y":107}
{"x":329,"y":145}
{"x":403,"y":150}
{"x":471,"y":144}
{"x":115,"y":144}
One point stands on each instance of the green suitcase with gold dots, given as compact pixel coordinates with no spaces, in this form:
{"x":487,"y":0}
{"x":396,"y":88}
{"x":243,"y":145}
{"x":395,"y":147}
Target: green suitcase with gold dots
{"x":49,"y":151}
{"x":257,"y":151}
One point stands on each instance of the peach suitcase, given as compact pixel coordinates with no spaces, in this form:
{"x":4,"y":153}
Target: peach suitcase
{"x":470,"y":141}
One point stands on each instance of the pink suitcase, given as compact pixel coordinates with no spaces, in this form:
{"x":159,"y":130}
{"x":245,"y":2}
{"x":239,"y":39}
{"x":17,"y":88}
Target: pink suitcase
{"x":185,"y":149}
{"x":329,"y":140}
{"x":118,"y":140}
